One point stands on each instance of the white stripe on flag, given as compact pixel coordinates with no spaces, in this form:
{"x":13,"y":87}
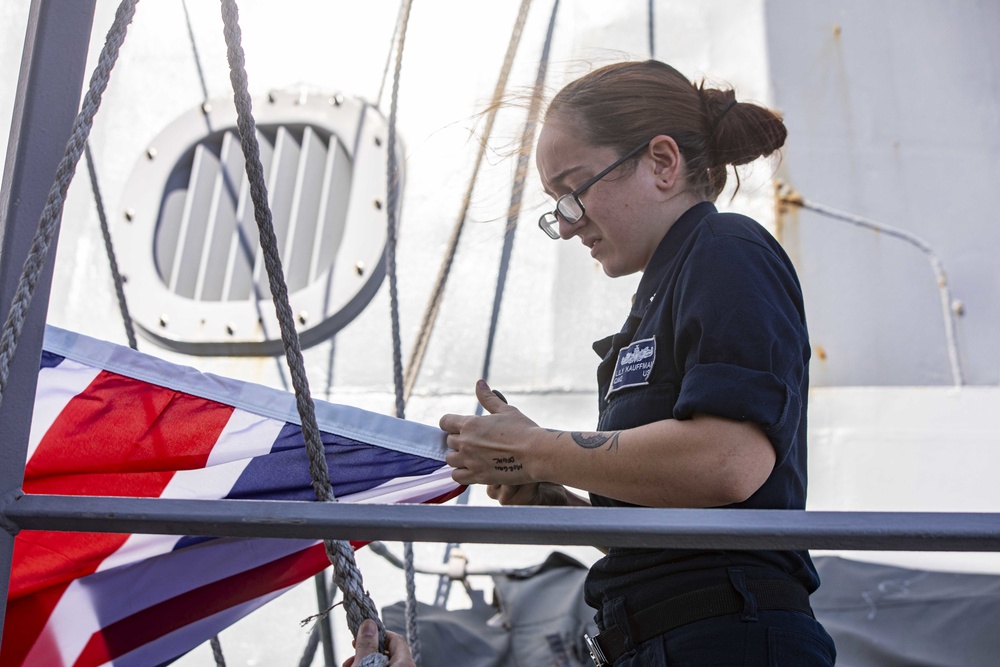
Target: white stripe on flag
{"x":56,"y":388}
{"x":416,"y":489}
{"x":136,"y":548}
{"x":70,"y":626}
{"x":246,"y":435}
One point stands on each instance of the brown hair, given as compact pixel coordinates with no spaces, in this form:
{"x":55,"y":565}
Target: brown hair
{"x":623,"y":104}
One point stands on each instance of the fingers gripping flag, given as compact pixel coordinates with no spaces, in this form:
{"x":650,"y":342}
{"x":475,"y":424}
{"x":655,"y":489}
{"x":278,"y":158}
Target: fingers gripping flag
{"x":110,"y":421}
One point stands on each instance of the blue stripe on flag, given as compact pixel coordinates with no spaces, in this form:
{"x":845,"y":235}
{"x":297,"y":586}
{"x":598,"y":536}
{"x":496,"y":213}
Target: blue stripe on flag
{"x":50,"y":360}
{"x":354,"y":466}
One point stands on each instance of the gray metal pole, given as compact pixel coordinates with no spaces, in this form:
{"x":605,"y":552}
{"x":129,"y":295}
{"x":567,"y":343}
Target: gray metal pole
{"x":49,"y":89}
{"x":620,"y":526}
{"x":323,"y":601}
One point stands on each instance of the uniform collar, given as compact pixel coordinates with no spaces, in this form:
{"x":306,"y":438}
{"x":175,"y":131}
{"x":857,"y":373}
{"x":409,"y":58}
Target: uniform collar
{"x":665,"y":252}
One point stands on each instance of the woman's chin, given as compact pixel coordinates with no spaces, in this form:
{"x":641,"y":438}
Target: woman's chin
{"x":615,"y":269}
{"x":610,"y":270}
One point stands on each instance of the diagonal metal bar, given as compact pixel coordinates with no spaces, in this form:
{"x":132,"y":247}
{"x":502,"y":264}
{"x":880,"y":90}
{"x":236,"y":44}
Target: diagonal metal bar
{"x":626,"y":527}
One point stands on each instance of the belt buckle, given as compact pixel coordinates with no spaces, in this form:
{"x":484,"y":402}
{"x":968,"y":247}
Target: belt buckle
{"x":595,"y":652}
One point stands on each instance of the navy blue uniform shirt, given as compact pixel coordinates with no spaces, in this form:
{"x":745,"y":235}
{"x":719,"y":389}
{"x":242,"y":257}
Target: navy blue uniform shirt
{"x":717,"y":326}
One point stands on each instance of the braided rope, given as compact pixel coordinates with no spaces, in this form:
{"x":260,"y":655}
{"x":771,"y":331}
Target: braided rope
{"x":51,"y":214}
{"x":430,"y":314}
{"x":194,"y":52}
{"x":412,"y":629}
{"x":392,"y":197}
{"x":109,"y":248}
{"x":220,"y":659}
{"x":309,"y":654}
{"x":652,"y":30}
{"x":391,"y":205}
{"x":403,"y":7}
{"x":345,"y":572}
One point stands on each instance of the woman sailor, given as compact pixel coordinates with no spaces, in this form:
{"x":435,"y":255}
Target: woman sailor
{"x":702,"y":393}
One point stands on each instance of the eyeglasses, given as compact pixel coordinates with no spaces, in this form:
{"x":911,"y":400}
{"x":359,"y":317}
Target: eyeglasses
{"x":570,"y":208}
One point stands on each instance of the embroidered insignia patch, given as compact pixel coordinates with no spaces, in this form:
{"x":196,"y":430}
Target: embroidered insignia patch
{"x":634,"y":365}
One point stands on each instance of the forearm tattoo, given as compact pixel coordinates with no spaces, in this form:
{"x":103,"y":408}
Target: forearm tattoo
{"x":591,"y":440}
{"x":595,"y":440}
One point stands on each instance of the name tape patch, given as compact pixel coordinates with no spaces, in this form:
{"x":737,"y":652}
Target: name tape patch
{"x":634,"y":365}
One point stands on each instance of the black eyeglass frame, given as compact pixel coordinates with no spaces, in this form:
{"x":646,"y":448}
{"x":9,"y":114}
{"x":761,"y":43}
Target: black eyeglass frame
{"x":549,"y":222}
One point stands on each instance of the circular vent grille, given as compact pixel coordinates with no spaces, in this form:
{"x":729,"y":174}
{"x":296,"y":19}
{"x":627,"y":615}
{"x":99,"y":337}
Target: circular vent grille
{"x":195,"y":275}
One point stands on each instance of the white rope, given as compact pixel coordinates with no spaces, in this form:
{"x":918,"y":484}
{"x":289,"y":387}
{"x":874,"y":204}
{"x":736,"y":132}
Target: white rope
{"x":392,"y":192}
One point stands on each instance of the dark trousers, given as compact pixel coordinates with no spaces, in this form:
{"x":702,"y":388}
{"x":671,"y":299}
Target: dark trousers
{"x":755,"y":637}
{"x":775,"y":639}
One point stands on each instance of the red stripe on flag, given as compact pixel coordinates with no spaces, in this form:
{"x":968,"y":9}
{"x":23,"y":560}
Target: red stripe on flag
{"x":153,"y":622}
{"x":120,"y":425}
{"x":23,"y":626}
{"x":119,"y":437}
{"x":445,"y":497}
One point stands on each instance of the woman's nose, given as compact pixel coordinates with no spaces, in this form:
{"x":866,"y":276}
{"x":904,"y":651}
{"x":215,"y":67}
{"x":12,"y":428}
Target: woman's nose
{"x":568,"y":230}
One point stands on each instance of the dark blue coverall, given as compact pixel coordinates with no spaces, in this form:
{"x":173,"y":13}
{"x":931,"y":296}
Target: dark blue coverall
{"x":717,"y":326}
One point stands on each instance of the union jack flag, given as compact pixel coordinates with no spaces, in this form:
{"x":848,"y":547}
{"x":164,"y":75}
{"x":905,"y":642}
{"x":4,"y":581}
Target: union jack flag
{"x":111,"y":421}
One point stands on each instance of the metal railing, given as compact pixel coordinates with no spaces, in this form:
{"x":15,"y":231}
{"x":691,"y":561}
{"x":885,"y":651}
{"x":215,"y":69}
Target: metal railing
{"x":595,"y":526}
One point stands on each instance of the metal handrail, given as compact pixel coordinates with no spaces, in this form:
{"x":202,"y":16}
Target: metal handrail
{"x":623,"y":527}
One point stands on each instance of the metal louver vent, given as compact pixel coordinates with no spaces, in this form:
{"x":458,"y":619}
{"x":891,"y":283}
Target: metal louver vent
{"x":196,"y":275}
{"x":206,"y":244}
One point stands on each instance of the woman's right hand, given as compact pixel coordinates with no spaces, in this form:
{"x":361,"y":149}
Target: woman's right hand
{"x":516,"y":494}
{"x":541,"y":493}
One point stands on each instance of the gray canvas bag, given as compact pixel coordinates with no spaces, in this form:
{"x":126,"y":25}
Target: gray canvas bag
{"x":537,"y":619}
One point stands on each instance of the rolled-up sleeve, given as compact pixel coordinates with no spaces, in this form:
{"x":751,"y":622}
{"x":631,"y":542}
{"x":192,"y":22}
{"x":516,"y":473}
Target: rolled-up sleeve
{"x":743,"y":394}
{"x":741,"y":338}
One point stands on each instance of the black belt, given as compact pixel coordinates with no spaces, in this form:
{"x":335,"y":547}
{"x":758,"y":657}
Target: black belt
{"x":696,"y":606}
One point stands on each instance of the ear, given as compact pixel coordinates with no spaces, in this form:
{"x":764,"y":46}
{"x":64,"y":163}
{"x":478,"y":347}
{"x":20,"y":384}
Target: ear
{"x":666,"y":161}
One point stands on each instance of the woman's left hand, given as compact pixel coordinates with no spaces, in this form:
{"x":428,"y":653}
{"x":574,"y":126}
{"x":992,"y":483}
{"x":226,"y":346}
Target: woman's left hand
{"x":492,"y":449}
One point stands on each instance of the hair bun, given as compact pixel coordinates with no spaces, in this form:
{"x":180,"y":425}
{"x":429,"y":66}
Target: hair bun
{"x":740,"y":132}
{"x":715,"y":123}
